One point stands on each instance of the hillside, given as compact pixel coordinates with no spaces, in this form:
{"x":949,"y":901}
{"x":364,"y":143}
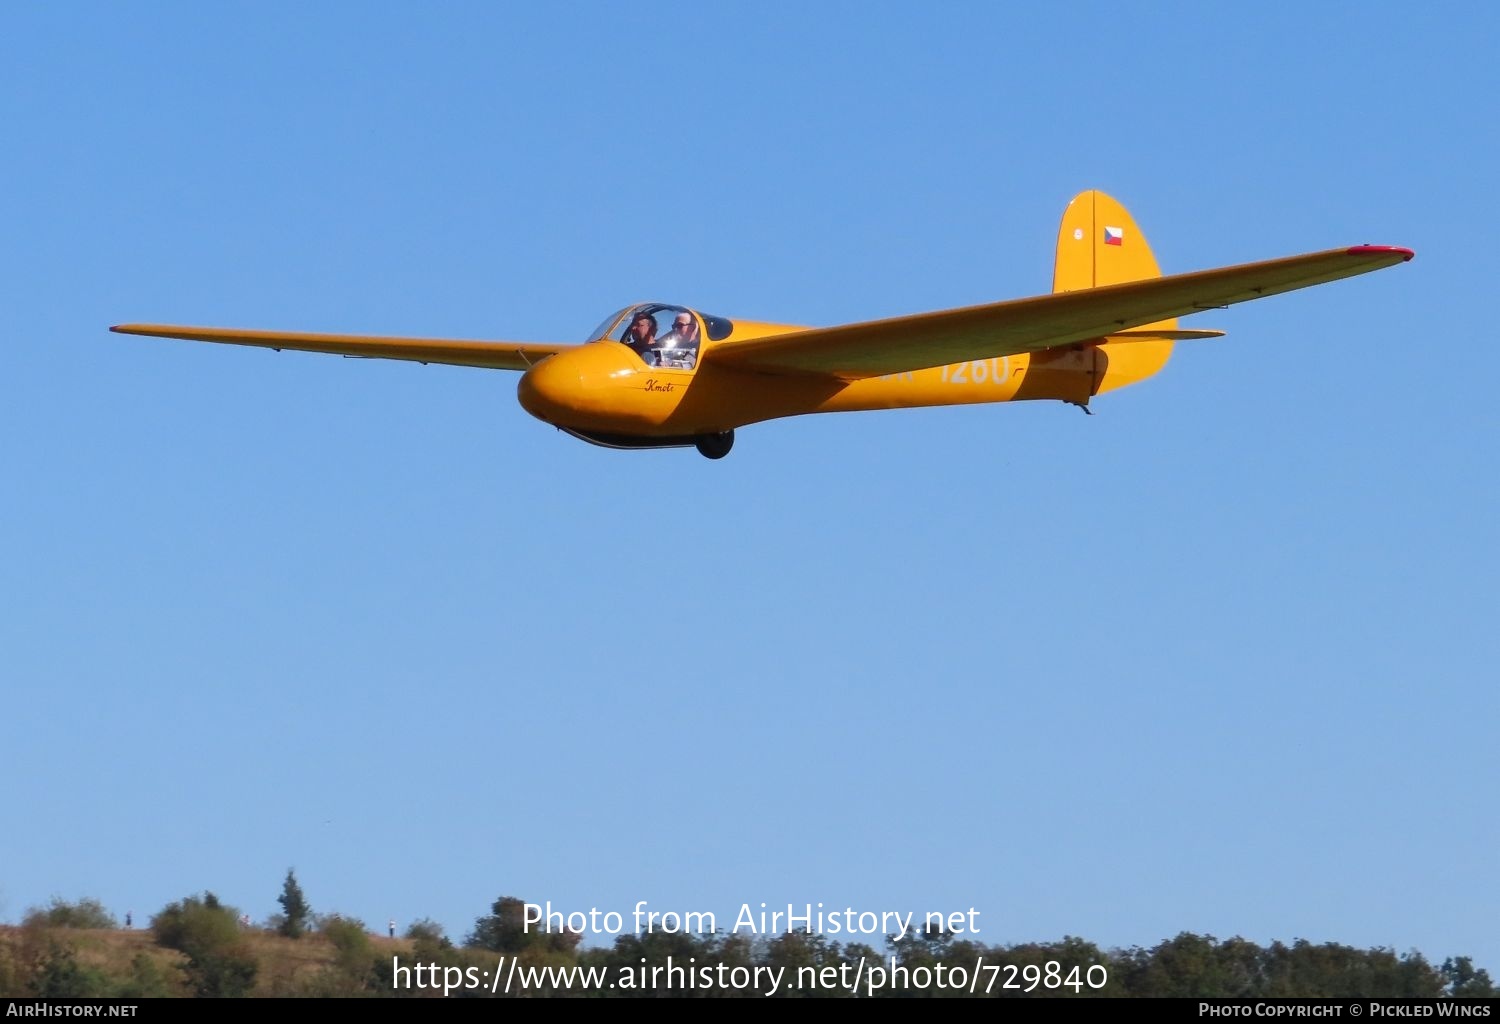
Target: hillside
{"x":37,"y":960}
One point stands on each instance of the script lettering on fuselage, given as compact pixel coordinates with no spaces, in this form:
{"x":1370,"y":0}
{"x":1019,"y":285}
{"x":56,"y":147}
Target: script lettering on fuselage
{"x":652,"y":384}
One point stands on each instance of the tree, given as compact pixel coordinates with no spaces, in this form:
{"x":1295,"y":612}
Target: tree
{"x":294,"y":907}
{"x":1464,"y":982}
{"x":504,"y":930}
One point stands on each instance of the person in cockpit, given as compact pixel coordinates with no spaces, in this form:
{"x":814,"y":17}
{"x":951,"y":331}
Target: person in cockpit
{"x":679,"y":346}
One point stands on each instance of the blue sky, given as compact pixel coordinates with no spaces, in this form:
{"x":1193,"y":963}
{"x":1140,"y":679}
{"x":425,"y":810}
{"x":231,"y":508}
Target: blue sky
{"x":1220,"y":658}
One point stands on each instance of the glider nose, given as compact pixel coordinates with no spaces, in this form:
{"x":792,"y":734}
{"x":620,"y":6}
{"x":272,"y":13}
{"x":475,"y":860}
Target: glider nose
{"x":544,"y":388}
{"x":580,"y":386}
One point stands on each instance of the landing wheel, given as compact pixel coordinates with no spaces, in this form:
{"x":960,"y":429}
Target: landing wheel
{"x":714,"y":446}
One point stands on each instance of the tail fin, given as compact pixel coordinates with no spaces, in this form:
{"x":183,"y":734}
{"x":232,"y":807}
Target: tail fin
{"x":1099,"y":244}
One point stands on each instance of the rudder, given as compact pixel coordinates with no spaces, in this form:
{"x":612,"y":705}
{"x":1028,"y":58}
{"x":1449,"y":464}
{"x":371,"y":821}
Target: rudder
{"x":1099,"y":243}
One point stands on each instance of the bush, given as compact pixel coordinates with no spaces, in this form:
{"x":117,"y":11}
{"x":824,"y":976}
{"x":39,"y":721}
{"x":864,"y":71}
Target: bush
{"x":195,"y":925}
{"x":428,"y":933}
{"x":224,"y":975}
{"x":86,"y":913}
{"x":348,"y":934}
{"x":355,"y":962}
{"x":219,"y":963}
{"x":59,"y":975}
{"x":146,"y":980}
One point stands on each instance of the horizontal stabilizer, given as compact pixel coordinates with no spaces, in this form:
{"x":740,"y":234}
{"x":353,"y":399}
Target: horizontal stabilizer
{"x":1149,"y":335}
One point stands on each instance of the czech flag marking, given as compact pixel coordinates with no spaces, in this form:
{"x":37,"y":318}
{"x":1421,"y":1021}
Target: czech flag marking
{"x":1114,"y":236}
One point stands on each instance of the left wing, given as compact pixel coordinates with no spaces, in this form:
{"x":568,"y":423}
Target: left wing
{"x":1032,"y":325}
{"x":492,"y":355}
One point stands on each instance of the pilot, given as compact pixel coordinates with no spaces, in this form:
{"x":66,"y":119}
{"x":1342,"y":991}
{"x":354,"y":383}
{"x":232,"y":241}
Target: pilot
{"x":679,"y":346}
{"x":642,"y":336}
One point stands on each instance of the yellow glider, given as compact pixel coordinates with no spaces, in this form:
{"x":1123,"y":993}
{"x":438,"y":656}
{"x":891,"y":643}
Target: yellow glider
{"x":656,"y":375}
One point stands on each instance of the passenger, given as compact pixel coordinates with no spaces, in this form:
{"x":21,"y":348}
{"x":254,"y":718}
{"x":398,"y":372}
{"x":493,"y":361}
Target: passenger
{"x":679,"y":346}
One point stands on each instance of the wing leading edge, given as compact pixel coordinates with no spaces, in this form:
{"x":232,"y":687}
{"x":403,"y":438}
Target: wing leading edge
{"x":493,"y":355}
{"x":1008,"y":328}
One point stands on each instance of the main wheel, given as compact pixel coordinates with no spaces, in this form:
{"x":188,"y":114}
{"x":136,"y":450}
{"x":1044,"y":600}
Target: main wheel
{"x":714,"y":446}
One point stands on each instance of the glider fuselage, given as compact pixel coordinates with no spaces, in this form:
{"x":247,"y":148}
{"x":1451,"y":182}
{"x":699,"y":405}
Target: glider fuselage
{"x":607,"y":388}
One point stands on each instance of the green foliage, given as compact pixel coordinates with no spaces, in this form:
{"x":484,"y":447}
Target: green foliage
{"x":434,"y":954}
{"x":1464,"y":982}
{"x":295,"y":911}
{"x":631,"y":953}
{"x":59,"y":975}
{"x":796,"y":951}
{"x":219,"y":963}
{"x":1195,"y":966}
{"x":40,"y":960}
{"x":429,"y":944}
{"x":196,"y":925}
{"x":805,"y":951}
{"x":225,"y":974}
{"x":504,"y":930}
{"x":428,"y":932}
{"x":1198,"y":966}
{"x":350,"y":937}
{"x":146,"y":980}
{"x":355,"y":962}
{"x":344,"y":932}
{"x":1305,"y":969}
{"x":86,"y":913}
{"x":12,"y":974}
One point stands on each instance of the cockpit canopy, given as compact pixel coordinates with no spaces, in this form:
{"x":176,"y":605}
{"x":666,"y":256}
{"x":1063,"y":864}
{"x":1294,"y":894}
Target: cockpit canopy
{"x":663,"y":335}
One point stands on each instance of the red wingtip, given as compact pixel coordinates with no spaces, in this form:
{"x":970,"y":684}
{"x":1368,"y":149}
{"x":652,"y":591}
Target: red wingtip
{"x":1372,"y":250}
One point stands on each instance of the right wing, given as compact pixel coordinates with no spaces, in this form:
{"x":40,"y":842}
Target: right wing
{"x":877,"y":347}
{"x":491,"y":355}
